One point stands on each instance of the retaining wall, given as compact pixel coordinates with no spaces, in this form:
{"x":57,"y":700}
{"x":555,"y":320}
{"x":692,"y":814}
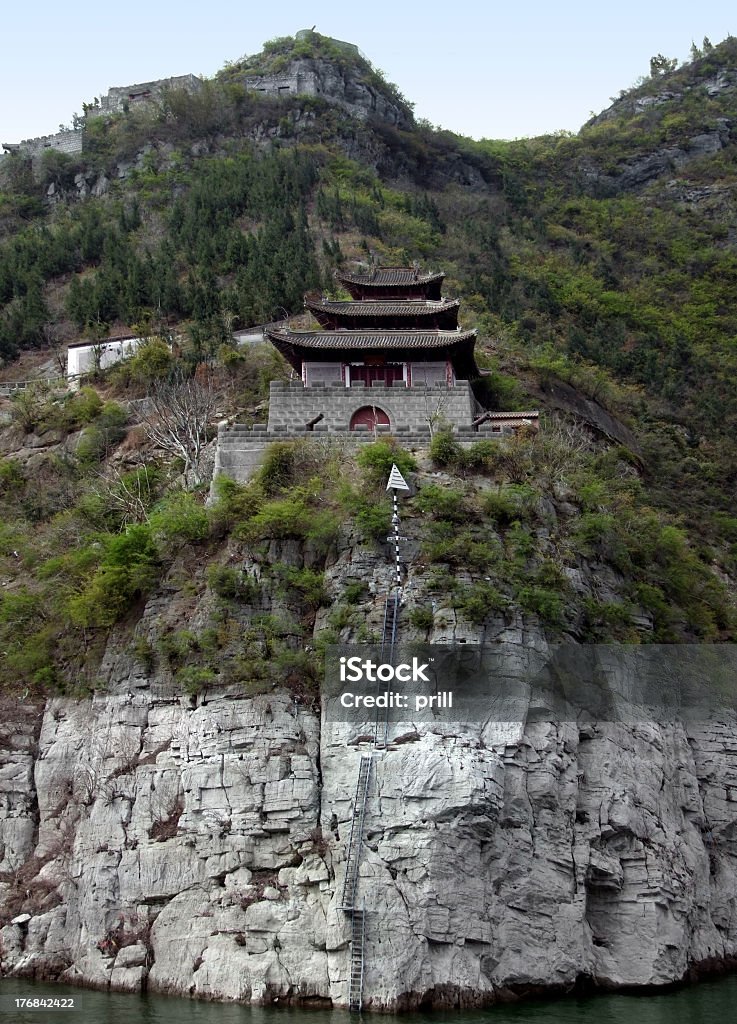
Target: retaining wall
{"x":292,"y":405}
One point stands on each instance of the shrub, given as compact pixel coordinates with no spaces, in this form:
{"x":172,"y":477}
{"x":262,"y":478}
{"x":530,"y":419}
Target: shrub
{"x":478,"y":601}
{"x":292,"y":516}
{"x":483,"y":456}
{"x":353,"y":592}
{"x":177,"y":646}
{"x":442,"y":503}
{"x":27,"y":407}
{"x":546,"y":603}
{"x":461,"y":548}
{"x":11,"y":476}
{"x":341,"y":616}
{"x":278,"y":469}
{"x":371,"y":517}
{"x":180,"y":517}
{"x":445,"y":450}
{"x":233,"y":584}
{"x":376,"y":460}
{"x":306,"y":583}
{"x":152,"y":361}
{"x":194,"y":678}
{"x":234,"y":503}
{"x":143,"y":652}
{"x":130,"y":566}
{"x":505,"y":505}
{"x":422,"y":618}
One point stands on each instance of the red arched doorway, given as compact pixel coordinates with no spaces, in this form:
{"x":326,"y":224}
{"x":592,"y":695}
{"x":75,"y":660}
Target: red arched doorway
{"x":369,"y":416}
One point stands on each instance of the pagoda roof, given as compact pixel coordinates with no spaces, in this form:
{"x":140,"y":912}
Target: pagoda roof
{"x":384,"y":307}
{"x":391,"y":276}
{"x":371,"y":339}
{"x":456,"y":345}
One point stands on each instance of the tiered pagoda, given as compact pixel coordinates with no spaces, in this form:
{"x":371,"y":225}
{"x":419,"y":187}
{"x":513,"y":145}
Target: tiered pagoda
{"x":397,"y":331}
{"x":393,"y":358}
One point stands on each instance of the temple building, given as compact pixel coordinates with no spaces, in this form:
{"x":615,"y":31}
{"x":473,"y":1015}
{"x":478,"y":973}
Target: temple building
{"x":391,"y":359}
{"x":397,"y":332}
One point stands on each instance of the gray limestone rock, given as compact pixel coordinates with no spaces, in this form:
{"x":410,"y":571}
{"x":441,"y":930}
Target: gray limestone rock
{"x":201,"y":850}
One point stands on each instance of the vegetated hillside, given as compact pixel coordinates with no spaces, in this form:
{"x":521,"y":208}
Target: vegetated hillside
{"x":220,"y":209}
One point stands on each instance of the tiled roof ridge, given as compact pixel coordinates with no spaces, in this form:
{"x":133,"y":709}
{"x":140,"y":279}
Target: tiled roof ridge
{"x":376,"y":332}
{"x":378,"y":307}
{"x":391,"y":275}
{"x":367,"y":338}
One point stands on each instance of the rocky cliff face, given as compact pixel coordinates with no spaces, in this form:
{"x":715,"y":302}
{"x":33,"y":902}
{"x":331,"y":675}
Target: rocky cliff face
{"x":344,"y":86}
{"x":197,"y":846}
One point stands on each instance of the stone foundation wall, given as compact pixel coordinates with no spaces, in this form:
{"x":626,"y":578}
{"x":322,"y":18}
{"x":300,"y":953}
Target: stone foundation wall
{"x":292,"y":405}
{"x":240,"y":449}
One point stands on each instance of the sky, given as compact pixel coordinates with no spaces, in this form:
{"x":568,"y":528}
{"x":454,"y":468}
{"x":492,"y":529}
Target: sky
{"x":487,"y":70}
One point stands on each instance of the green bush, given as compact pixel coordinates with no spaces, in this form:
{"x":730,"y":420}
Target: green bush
{"x":152,"y":362}
{"x":277,"y":471}
{"x":292,"y":515}
{"x":194,"y":678}
{"x":371,"y":517}
{"x":422,"y":618}
{"x":19,"y":609}
{"x":11,"y":477}
{"x":177,"y":646}
{"x":514,"y":502}
{"x":443,"y":502}
{"x":306,"y":584}
{"x":479,"y":600}
{"x":129,"y":568}
{"x":180,"y":517}
{"x":144,"y":653}
{"x":233,"y":584}
{"x":445,"y":450}
{"x":483,"y":456}
{"x":546,"y":603}
{"x":353,"y":592}
{"x":73,"y":410}
{"x":235,"y":504}
{"x":341,"y":616}
{"x":445,"y":542}
{"x":376,"y":461}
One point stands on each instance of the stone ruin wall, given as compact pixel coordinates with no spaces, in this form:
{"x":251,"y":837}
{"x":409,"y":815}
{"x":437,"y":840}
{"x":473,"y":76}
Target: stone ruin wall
{"x":115,"y":101}
{"x":64,"y":142}
{"x":120,"y":97}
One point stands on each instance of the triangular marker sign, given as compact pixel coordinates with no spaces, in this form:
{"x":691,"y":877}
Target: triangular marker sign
{"x":396,"y":481}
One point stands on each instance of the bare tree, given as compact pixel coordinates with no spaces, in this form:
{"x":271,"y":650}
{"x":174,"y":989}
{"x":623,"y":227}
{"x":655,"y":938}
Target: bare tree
{"x":178,"y":420}
{"x":128,"y":495}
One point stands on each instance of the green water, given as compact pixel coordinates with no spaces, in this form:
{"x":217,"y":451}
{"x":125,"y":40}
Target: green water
{"x":711,"y":1002}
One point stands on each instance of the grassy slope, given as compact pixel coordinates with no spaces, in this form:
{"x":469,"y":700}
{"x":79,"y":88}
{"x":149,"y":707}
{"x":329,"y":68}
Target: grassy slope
{"x":622,"y":292}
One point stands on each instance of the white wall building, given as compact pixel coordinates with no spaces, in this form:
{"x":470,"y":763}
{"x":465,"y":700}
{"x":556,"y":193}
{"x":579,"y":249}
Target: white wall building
{"x":83,"y":355}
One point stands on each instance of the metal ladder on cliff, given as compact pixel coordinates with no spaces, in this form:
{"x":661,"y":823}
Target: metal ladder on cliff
{"x":350,"y":885}
{"x":350,"y":882}
{"x":355,"y":992}
{"x":388,"y":641}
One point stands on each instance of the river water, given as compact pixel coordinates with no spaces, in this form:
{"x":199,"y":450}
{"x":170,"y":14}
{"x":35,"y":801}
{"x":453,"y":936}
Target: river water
{"x":710,"y":1002}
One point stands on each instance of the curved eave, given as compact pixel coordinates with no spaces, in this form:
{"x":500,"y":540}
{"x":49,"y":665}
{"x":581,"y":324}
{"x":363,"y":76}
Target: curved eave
{"x":383,"y":278}
{"x":383,"y":307}
{"x":386,"y":315}
{"x":404,"y":346}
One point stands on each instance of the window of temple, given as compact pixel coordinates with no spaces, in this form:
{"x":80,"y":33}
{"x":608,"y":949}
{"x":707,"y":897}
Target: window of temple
{"x":386,"y":374}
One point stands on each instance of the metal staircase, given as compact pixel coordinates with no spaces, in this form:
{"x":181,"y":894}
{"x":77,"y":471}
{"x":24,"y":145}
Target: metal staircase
{"x":388,"y":641}
{"x":350,"y":885}
{"x":381,"y":731}
{"x":350,"y":882}
{"x":355,"y":993}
